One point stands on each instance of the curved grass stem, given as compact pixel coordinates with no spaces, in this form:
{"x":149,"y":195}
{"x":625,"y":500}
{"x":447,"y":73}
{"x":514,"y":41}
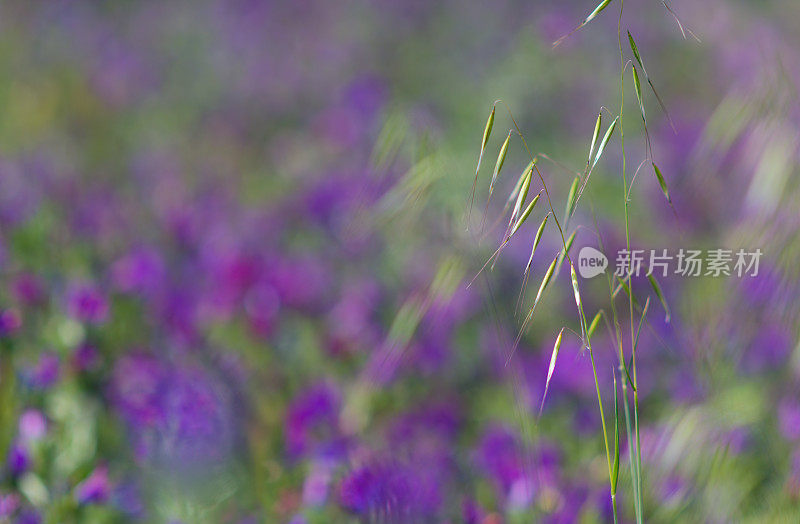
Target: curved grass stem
{"x":582,"y":316}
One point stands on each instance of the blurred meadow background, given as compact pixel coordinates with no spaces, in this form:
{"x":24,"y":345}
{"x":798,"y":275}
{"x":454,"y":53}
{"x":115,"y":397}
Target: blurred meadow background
{"x":234,"y":262}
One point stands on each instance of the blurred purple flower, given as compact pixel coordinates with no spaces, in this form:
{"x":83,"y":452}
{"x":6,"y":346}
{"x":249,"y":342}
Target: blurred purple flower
{"x":85,"y":302}
{"x":568,"y":503}
{"x":587,"y":420}
{"x":28,"y":516}
{"x":350,"y":322}
{"x":435,"y":424}
{"x":301,"y":282}
{"x":199,"y":427}
{"x":32,"y":425}
{"x":770,"y":293}
{"x":127,"y":497}
{"x":178,"y":312}
{"x":231,"y":272}
{"x":555,"y":23}
{"x":769,"y":349}
{"x":331,"y":198}
{"x":471,"y":512}
{"x":137,"y":381}
{"x":46,"y":371}
{"x":19,"y":194}
{"x":366,"y":95}
{"x":97,"y":213}
{"x":684,"y":387}
{"x":317,"y":482}
{"x":338,"y":126}
{"x":28,"y":289}
{"x":573,"y":373}
{"x":119,"y":75}
{"x":95,"y":488}
{"x":312,"y":419}
{"x":671,"y":489}
{"x":398,"y":492}
{"x":261,"y":305}
{"x":141,"y":270}
{"x":10,"y":322}
{"x":9,"y":503}
{"x":498,"y":454}
{"x":789,"y":418}
{"x":178,"y":415}
{"x":426,"y":438}
{"x":85,"y":357}
{"x":18,"y":460}
{"x":737,"y":439}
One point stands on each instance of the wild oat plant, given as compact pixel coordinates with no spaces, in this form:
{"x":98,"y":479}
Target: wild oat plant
{"x":236,"y":285}
{"x":626,"y":391}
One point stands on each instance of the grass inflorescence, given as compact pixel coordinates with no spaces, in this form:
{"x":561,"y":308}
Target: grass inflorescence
{"x":628,"y":386}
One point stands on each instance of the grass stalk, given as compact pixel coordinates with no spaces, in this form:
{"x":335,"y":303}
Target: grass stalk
{"x":635,"y":457}
{"x":582,"y":316}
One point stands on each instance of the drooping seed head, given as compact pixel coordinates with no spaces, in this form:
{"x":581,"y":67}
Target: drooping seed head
{"x":662,"y":183}
{"x":571,"y":198}
{"x":602,"y":5}
{"x":595,"y":135}
{"x":604,"y":141}
{"x":552,"y":366}
{"x":524,"y":216}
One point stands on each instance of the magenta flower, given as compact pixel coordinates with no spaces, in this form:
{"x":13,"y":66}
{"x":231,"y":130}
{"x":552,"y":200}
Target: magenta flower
{"x":317,"y":483}
{"x":397,"y":492}
{"x":789,"y":419}
{"x":85,"y":302}
{"x":312,"y":419}
{"x":9,"y":322}
{"x":9,"y":503}
{"x":28,"y":289}
{"x":46,"y":371}
{"x":19,"y":460}
{"x":500,"y":456}
{"x":95,"y":488}
{"x":28,"y":516}
{"x":85,"y":357}
{"x":140,"y":271}
{"x":176,"y":414}
{"x":32,"y":425}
